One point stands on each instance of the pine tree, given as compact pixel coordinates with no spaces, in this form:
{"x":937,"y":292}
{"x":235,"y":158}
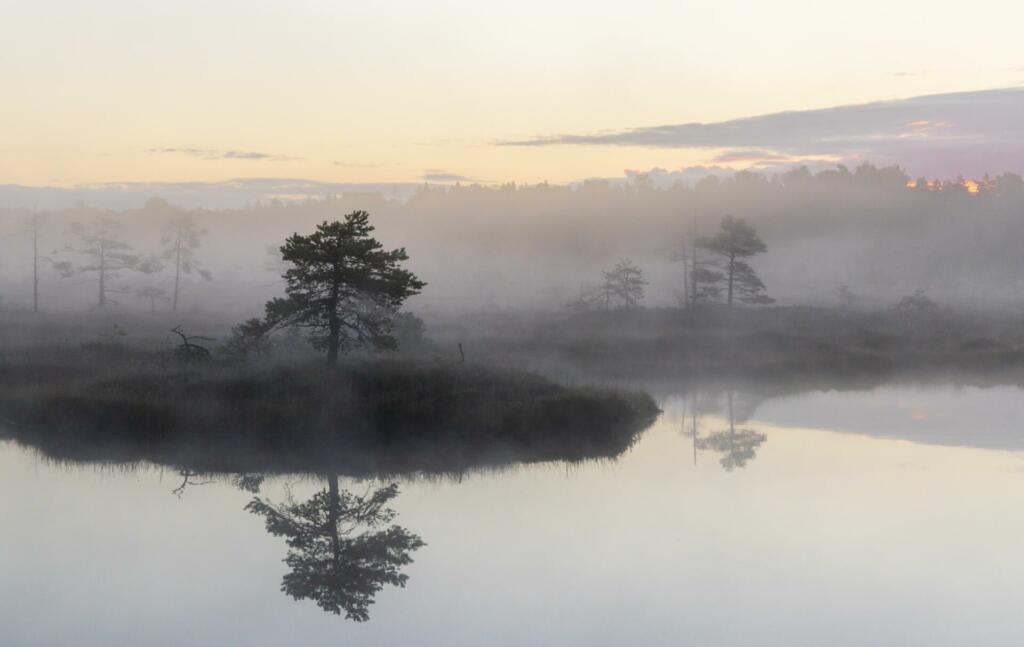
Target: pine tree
{"x":625,"y":282}
{"x":182,"y":237}
{"x":106,"y":254}
{"x":736,"y":241}
{"x":342,"y":286}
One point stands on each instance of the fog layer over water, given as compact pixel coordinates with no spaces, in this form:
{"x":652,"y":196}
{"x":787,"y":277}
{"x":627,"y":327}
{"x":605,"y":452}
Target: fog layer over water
{"x":882,"y":517}
{"x":875,"y":230}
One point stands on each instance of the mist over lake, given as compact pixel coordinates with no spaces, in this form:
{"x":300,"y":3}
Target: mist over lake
{"x":476,"y":323}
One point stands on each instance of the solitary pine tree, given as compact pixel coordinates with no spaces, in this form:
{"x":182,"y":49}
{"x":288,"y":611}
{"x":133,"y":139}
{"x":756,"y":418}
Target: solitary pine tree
{"x":106,"y":254}
{"x":624,"y":282}
{"x":736,"y":241}
{"x":687,"y":254}
{"x":32,"y":226}
{"x":181,"y":238}
{"x":342,"y":286}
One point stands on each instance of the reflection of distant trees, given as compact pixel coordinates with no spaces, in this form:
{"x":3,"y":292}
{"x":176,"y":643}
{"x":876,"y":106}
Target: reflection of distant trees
{"x":341,"y":550}
{"x":737,"y":446}
{"x":187,"y":477}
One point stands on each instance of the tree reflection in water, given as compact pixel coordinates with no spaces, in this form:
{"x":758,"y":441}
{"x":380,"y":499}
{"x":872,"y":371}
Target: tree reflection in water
{"x":737,"y":446}
{"x":341,"y":550}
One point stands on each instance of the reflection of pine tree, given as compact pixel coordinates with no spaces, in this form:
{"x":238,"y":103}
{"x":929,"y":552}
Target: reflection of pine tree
{"x":336,"y":555}
{"x":737,"y":446}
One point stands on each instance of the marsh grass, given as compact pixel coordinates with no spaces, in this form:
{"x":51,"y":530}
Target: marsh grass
{"x":359,"y":417}
{"x":759,"y":343}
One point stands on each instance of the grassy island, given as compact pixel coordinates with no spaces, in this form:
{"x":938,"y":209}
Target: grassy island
{"x":359,"y":417}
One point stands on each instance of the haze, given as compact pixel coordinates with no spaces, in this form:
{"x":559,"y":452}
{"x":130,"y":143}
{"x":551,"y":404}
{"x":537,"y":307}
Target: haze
{"x":554,"y":323}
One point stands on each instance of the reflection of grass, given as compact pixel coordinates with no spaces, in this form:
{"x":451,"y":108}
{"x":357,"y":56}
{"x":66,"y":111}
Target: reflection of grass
{"x":359,"y":417}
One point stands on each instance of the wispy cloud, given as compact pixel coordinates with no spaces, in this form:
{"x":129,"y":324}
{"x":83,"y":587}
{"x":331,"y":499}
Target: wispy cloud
{"x":354,"y":164}
{"x":437,"y":175}
{"x":752,"y":156}
{"x":981,"y":131}
{"x":217,"y":154}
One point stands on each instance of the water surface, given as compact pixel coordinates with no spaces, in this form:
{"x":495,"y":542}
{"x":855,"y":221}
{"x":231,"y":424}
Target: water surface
{"x":885,"y":517}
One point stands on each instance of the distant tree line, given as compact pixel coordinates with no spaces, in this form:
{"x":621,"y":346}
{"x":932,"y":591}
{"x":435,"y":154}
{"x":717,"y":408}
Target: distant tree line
{"x":873,"y":229}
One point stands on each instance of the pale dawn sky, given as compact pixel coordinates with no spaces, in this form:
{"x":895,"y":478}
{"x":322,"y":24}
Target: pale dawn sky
{"x":119,"y":91}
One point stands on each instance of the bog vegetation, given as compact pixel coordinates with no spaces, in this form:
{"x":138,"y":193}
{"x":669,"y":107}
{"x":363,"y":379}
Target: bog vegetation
{"x":355,"y":357}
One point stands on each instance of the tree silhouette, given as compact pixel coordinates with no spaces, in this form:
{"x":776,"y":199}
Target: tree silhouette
{"x":698,"y":277}
{"x":32,"y":225}
{"x":917,"y":304}
{"x":247,"y":339}
{"x":343,"y":286}
{"x":737,"y":240}
{"x":182,"y":237}
{"x":99,"y":241}
{"x":847,"y":299}
{"x":152,"y":294}
{"x":338,"y":555}
{"x":625,"y":282}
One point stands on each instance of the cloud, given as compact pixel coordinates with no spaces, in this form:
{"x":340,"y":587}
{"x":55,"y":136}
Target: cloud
{"x":354,"y":164}
{"x":437,"y":175}
{"x":981,"y":130}
{"x":215,"y":154}
{"x":752,"y":156}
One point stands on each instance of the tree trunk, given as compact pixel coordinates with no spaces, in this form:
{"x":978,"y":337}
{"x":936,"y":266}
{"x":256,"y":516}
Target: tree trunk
{"x":177,"y":271}
{"x":332,"y":517}
{"x":732,"y":421}
{"x":332,"y":347}
{"x":693,"y":263}
{"x":686,"y":284}
{"x":732,"y":273}
{"x":693,"y":416}
{"x":103,"y":275}
{"x":35,"y":262}
{"x":333,"y":327}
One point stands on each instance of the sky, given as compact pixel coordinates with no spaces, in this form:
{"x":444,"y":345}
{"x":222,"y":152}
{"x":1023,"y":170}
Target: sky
{"x":138,"y":91}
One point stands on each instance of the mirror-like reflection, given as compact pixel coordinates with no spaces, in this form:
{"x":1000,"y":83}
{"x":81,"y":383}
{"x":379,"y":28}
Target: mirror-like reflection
{"x":902,"y":479}
{"x":341,"y":548}
{"x":737,"y":446}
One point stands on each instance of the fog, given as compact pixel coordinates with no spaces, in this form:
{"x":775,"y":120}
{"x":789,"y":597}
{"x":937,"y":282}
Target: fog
{"x":875,"y":230}
{"x":469,"y":323}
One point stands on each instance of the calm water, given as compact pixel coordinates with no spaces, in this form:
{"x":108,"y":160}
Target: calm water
{"x":890,"y":517}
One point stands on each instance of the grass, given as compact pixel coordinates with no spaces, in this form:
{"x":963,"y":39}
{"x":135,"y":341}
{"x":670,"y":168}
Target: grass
{"x":362,"y":417}
{"x":106,"y":397}
{"x":758,"y":343}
